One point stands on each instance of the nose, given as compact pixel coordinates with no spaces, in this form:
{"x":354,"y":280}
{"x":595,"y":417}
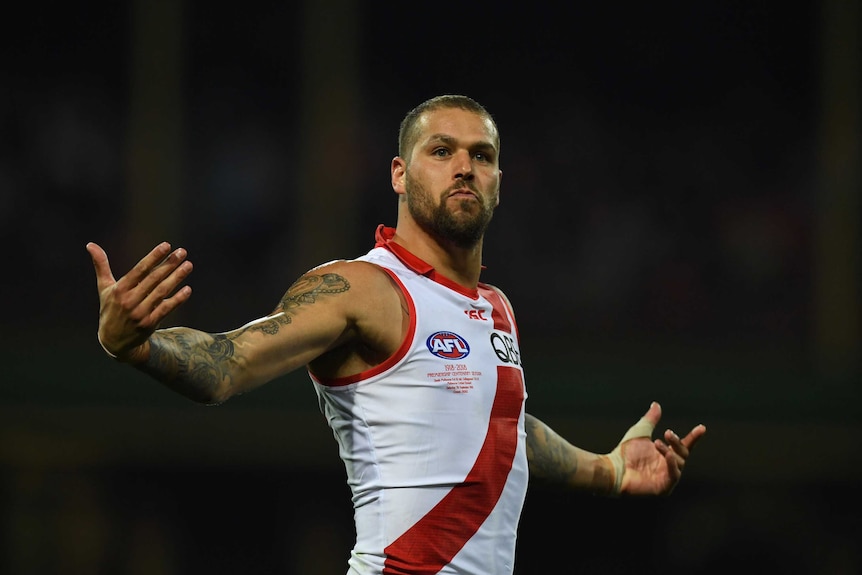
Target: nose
{"x":463,"y":165}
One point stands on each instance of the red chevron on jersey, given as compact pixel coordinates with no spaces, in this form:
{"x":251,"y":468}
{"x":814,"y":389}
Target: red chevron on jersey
{"x":432,"y":542}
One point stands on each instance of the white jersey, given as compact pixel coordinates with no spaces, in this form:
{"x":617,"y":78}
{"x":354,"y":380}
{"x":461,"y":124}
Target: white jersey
{"x":433,"y":439}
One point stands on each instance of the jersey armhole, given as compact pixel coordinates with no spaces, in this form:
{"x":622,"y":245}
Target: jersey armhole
{"x":393,"y":359}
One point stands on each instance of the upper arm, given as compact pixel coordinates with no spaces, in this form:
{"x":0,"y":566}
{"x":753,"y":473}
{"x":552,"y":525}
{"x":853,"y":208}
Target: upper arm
{"x":329,"y":307}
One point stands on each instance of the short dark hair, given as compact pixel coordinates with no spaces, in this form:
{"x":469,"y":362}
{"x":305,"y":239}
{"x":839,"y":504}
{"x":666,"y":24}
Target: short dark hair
{"x":408,"y":133}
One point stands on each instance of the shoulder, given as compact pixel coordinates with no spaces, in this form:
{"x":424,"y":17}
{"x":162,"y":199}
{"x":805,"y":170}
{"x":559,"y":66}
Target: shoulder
{"x":372,"y":310}
{"x":366,"y":285}
{"x":350,"y":274}
{"x":496,"y":290}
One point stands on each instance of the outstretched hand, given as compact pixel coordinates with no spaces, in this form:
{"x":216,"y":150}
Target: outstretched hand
{"x":131,"y":308}
{"x":653,"y":466}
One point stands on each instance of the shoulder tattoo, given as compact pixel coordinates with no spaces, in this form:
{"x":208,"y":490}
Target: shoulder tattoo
{"x":308,"y":288}
{"x":304,"y":292}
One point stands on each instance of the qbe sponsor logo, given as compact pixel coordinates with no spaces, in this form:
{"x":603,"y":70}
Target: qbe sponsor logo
{"x":506,"y":348}
{"x":448,"y":345}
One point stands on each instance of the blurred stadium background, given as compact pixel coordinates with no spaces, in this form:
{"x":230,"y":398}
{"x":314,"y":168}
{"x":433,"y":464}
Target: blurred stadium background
{"x":680,"y":221}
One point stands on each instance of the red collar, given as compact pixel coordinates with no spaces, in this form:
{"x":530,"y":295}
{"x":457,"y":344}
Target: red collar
{"x":383,"y":239}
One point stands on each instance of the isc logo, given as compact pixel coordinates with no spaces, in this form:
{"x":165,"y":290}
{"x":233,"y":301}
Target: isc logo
{"x":447,"y":345}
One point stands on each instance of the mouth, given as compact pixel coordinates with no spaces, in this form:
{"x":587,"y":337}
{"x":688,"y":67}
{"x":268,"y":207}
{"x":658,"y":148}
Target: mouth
{"x":463,"y":194}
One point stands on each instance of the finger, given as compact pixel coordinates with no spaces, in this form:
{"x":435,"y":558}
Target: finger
{"x":662,"y":447}
{"x":104,"y":277}
{"x":676,"y":443}
{"x":140,"y":273}
{"x":693,"y":436}
{"x":159,"y":302}
{"x":168,"y":305}
{"x":159,"y":277}
{"x":674,"y":468}
{"x":166,"y":276}
{"x":673,"y":457}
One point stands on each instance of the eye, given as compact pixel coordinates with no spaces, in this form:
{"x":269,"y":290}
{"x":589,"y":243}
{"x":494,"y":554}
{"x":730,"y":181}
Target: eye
{"x":440,"y":152}
{"x":484,"y":157}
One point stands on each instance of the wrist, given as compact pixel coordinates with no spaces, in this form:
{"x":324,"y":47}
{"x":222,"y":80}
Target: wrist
{"x":105,"y":349}
{"x":617,"y":468}
{"x":135,"y":356}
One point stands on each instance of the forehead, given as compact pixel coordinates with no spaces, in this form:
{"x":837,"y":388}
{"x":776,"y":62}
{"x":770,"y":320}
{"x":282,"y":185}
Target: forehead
{"x":462,"y":125}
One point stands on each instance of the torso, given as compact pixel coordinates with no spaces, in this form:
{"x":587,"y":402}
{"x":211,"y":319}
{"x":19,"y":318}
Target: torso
{"x":432,"y":436}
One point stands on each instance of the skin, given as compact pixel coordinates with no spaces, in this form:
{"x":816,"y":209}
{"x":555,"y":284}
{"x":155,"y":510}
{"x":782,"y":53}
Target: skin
{"x":337,"y":319}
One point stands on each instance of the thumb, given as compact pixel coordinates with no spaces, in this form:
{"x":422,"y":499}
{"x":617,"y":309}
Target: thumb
{"x":643,"y":428}
{"x":653,"y":414}
{"x":645,"y":425}
{"x":104,"y":277}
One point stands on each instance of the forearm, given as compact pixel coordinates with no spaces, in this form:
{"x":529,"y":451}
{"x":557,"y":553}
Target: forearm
{"x":555,"y":460}
{"x":198,"y":365}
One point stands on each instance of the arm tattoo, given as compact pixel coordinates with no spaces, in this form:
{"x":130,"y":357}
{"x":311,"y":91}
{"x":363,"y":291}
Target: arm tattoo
{"x":195,"y":363}
{"x":548,"y":454}
{"x":190,"y":362}
{"x":306,"y":290}
{"x":555,"y":460}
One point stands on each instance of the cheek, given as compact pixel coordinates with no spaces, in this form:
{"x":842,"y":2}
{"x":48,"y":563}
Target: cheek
{"x":494,"y":193}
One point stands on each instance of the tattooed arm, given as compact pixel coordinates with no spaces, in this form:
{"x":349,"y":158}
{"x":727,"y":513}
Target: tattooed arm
{"x":210,"y":368}
{"x":321,"y":311}
{"x":638,"y":465}
{"x":555,"y":460}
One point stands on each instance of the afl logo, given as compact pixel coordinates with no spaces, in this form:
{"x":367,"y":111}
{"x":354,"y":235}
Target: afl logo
{"x":448,"y":345}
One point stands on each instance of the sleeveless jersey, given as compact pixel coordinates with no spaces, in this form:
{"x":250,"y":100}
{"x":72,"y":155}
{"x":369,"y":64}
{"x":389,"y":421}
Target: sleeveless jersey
{"x":433,"y":439}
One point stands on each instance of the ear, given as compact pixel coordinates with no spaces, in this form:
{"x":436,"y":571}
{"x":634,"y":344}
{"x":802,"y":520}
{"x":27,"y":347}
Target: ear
{"x":398,"y":171}
{"x":499,"y":185}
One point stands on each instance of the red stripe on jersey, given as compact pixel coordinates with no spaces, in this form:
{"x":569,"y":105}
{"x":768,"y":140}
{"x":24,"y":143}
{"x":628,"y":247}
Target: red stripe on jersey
{"x":434,"y":540}
{"x":498,"y":314}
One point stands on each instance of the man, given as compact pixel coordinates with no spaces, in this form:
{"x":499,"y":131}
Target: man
{"x":415,"y":362}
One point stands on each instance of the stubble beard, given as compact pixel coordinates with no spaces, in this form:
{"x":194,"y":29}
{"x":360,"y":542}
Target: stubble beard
{"x":463,"y":228}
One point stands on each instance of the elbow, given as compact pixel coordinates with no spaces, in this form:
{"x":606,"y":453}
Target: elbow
{"x":221,"y":381}
{"x":210,"y":400}
{"x":216,"y":395}
{"x":213,"y":383}
{"x":200,"y":392}
{"x":203,"y":397}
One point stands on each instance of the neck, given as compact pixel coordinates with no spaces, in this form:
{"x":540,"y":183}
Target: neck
{"x":462,"y":265}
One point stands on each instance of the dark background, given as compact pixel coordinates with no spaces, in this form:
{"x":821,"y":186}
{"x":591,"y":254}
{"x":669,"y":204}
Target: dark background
{"x":680,"y":221}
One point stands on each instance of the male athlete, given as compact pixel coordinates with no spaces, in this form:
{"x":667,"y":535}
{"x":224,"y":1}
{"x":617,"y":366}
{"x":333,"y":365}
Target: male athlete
{"x":416,"y":364}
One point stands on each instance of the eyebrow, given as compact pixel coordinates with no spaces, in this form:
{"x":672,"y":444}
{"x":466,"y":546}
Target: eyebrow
{"x":450,"y":140}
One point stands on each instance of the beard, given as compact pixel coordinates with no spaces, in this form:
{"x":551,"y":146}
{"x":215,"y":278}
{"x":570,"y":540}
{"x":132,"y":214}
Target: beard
{"x":464,"y":228}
